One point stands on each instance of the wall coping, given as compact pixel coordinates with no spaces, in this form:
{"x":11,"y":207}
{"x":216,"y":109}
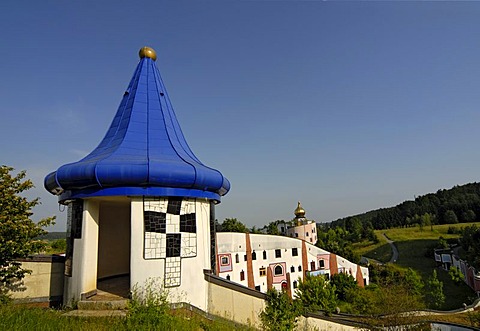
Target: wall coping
{"x":52,"y":258}
{"x":214,"y":279}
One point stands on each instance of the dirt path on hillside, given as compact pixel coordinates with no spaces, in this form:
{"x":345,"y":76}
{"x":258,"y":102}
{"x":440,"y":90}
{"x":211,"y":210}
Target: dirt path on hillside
{"x":394,"y":249}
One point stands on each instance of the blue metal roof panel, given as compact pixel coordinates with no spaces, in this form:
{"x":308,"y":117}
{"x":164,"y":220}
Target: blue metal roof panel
{"x":144,"y":147}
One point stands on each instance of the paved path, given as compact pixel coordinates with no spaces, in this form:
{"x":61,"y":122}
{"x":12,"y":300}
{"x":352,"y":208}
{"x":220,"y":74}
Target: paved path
{"x":394,"y":249}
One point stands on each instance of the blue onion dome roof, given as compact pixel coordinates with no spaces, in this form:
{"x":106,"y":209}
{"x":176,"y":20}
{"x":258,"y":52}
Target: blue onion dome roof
{"x":143,"y":153}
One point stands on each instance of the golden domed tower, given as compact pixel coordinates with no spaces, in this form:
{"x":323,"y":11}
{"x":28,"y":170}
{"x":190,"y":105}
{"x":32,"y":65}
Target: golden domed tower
{"x":299,"y":214}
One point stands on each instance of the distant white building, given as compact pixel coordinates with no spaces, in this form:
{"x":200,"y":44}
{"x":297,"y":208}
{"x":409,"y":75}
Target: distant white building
{"x":261,"y":261}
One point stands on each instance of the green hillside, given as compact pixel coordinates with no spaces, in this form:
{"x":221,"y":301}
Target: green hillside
{"x":456,"y":205}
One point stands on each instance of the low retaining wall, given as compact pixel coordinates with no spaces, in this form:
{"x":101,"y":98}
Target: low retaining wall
{"x":233,"y":301}
{"x":45,"y":284}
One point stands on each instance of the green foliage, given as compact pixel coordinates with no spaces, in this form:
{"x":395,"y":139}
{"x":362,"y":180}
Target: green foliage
{"x":450,"y":217}
{"x":389,"y":275}
{"x":17,"y":230}
{"x":413,"y":282}
{"x":148,"y":306}
{"x":470,"y":242}
{"x":272,"y":228}
{"x":280,"y":312}
{"x":456,"y":275}
{"x":337,"y":241}
{"x":469,"y":216}
{"x":474,"y":318}
{"x":315,"y":294}
{"x":442,"y":207}
{"x":434,"y":294}
{"x":343,"y":284}
{"x":18,"y":317}
{"x":360,"y":300}
{"x":233,"y":225}
{"x":59,"y":245}
{"x":454,"y":230}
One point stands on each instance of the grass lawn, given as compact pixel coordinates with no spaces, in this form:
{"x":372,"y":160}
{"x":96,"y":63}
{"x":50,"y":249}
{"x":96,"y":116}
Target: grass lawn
{"x":413,"y":244}
{"x":380,"y":251}
{"x":18,"y":317}
{"x":413,"y":233}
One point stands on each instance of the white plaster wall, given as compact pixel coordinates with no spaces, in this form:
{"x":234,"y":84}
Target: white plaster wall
{"x":114,"y":239}
{"x":84,"y":261}
{"x":193,"y":288}
{"x":234,"y":243}
{"x":302,"y":230}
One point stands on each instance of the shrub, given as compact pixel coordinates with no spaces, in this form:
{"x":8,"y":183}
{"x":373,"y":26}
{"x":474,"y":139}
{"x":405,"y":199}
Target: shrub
{"x":315,"y":294}
{"x":280,"y":313}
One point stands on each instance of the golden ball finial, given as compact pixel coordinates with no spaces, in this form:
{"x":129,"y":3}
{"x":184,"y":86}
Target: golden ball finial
{"x":147,"y":52}
{"x":299,"y":212}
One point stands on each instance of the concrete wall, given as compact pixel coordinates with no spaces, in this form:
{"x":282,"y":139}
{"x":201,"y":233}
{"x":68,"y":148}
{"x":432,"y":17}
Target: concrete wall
{"x":234,"y":302}
{"x":311,"y":323}
{"x":45,"y":283}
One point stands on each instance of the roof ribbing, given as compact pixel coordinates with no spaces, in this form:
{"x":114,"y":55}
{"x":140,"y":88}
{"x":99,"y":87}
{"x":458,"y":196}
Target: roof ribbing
{"x":143,"y":152}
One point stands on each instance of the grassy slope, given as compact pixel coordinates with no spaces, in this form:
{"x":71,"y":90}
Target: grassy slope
{"x":17,"y":317}
{"x":412,"y":244}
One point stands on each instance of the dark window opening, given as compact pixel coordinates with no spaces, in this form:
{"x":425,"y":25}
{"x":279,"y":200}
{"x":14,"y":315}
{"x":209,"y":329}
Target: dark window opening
{"x":292,"y":269}
{"x":237,"y":260}
{"x":295,"y":284}
{"x":299,"y":268}
{"x":263,"y":271}
{"x":264,"y":255}
{"x":278,"y":271}
{"x":242,"y":275}
{"x":254,"y":255}
{"x":312,"y":265}
{"x":258,"y":288}
{"x":321,"y":263}
{"x":225,"y":260}
{"x":278,"y":253}
{"x":294,"y":251}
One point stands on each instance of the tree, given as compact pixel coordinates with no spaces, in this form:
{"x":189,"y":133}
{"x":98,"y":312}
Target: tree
{"x":450,"y":217}
{"x":456,"y":275}
{"x":272,"y":228}
{"x":17,"y":230}
{"x":315,"y":293}
{"x":233,"y":225}
{"x":280,"y":311}
{"x":434,"y":296}
{"x":343,"y":284}
{"x":469,"y":216}
{"x":413,"y":282}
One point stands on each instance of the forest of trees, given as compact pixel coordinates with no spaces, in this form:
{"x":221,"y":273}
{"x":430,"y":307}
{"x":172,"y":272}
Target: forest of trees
{"x":456,"y":205}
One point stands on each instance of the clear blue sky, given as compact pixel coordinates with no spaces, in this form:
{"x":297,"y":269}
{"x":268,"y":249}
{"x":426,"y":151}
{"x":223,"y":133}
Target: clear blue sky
{"x":345,"y":106}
